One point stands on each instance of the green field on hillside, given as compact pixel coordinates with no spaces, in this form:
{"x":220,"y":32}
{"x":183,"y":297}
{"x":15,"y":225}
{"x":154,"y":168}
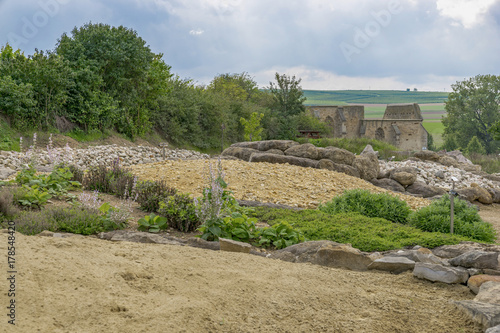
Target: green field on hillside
{"x":342,"y":97}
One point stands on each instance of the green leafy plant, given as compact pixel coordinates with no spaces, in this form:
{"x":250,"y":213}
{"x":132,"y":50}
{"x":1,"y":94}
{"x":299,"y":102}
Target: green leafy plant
{"x":368,"y":204}
{"x":280,"y":235}
{"x":180,"y":212}
{"x":152,"y":223}
{"x":467,"y":222}
{"x":34,"y":198}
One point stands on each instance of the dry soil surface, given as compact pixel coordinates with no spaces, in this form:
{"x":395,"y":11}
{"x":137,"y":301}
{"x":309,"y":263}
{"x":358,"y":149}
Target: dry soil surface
{"x":83,"y":284}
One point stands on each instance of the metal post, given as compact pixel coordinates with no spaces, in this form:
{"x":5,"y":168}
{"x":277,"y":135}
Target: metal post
{"x":452,"y":197}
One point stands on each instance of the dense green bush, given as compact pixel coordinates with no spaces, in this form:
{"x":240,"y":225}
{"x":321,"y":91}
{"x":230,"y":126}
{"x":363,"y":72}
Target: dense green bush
{"x":368,"y":204}
{"x":180,"y":212}
{"x":467,"y":222}
{"x":364,"y":233}
{"x":149,"y":194}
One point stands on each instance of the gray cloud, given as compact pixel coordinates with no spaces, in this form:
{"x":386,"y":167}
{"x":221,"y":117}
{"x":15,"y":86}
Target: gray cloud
{"x":404,"y":42}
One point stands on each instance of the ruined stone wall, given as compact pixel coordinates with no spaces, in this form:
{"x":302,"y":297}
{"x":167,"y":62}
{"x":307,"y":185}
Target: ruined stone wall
{"x":402,"y":111}
{"x":404,"y":134}
{"x":347,"y":126}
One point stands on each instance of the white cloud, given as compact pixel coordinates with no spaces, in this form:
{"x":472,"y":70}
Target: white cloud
{"x":468,"y":12}
{"x":196,"y":32}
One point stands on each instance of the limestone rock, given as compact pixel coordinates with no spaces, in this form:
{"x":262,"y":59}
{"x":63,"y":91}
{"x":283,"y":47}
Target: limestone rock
{"x":275,"y":151}
{"x":369,"y":149}
{"x":330,"y":165}
{"x":475,"y":282}
{"x":336,"y":155}
{"x":452,"y":251}
{"x":144,"y":237}
{"x":440,"y":273}
{"x":457,"y":154}
{"x":489,"y":292}
{"x":325,"y":253}
{"x":384,"y":174}
{"x":404,"y":176}
{"x":425,"y":190}
{"x":495,"y":329}
{"x":247,"y":144}
{"x":203,"y":244}
{"x":6,"y":172}
{"x":230,"y":245}
{"x":448,"y":161}
{"x":307,"y":150}
{"x":420,"y":255}
{"x":239,"y":152}
{"x":388,"y":184}
{"x":485,"y":314}
{"x":427,"y":155}
{"x":367,"y":165}
{"x":495,"y":195}
{"x":483,"y":195}
{"x":469,"y":193}
{"x":394,"y":265}
{"x":292,"y":160}
{"x":276,"y":144}
{"x":477,"y":259}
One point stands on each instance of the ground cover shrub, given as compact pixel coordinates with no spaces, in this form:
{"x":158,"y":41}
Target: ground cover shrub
{"x":362,"y":232}
{"x":180,"y":211}
{"x":368,"y":204}
{"x":467,"y":222}
{"x":489,"y":163}
{"x":7,"y":207}
{"x":57,"y":183}
{"x":149,"y":194}
{"x":75,"y":219}
{"x":116,"y":180}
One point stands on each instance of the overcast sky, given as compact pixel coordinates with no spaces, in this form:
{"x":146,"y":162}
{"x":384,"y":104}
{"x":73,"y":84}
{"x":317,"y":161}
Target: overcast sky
{"x":330,"y":44}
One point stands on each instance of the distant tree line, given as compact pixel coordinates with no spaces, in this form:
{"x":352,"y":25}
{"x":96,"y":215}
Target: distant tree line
{"x":106,"y":78}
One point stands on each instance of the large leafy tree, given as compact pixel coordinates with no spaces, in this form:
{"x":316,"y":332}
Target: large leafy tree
{"x":472,"y":109}
{"x":287,"y":105}
{"x":131,"y":73}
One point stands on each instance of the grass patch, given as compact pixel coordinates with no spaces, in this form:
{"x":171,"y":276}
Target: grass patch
{"x":82,"y":136}
{"x":9,"y":139}
{"x":436,"y":129}
{"x":364,"y":233}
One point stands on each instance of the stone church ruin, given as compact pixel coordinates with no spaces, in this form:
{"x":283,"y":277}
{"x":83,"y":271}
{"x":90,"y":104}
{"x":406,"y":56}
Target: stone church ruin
{"x":401,"y":125}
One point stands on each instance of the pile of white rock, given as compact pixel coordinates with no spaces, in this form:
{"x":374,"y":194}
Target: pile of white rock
{"x":96,"y":155}
{"x":436,"y":174}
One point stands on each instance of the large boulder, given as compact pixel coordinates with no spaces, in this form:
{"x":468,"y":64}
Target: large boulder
{"x":427,"y":155}
{"x":6,"y":173}
{"x":448,"y":161}
{"x":475,"y":282}
{"x":495,"y":195}
{"x":405,"y":175}
{"x":239,"y":152}
{"x":478,"y":259}
{"x":486,"y":314}
{"x":426,"y":191}
{"x":367,"y":165}
{"x":247,"y":144}
{"x":394,"y":265}
{"x":452,"y":251}
{"x":325,"y":253}
{"x":276,"y":144}
{"x":388,"y":184}
{"x":457,"y":154}
{"x":275,"y":151}
{"x":329,"y":165}
{"x":336,"y":155}
{"x":468,"y":193}
{"x":282,"y":159}
{"x":307,"y":150}
{"x":440,"y":273}
{"x":489,"y":292}
{"x":369,"y":149}
{"x":230,"y":245}
{"x":483,"y":195}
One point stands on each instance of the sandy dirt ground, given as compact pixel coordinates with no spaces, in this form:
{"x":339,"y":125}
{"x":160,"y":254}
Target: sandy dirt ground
{"x":83,"y":284}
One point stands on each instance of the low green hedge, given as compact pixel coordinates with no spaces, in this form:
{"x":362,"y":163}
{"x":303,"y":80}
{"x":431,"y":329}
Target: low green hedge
{"x":362,"y":232}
